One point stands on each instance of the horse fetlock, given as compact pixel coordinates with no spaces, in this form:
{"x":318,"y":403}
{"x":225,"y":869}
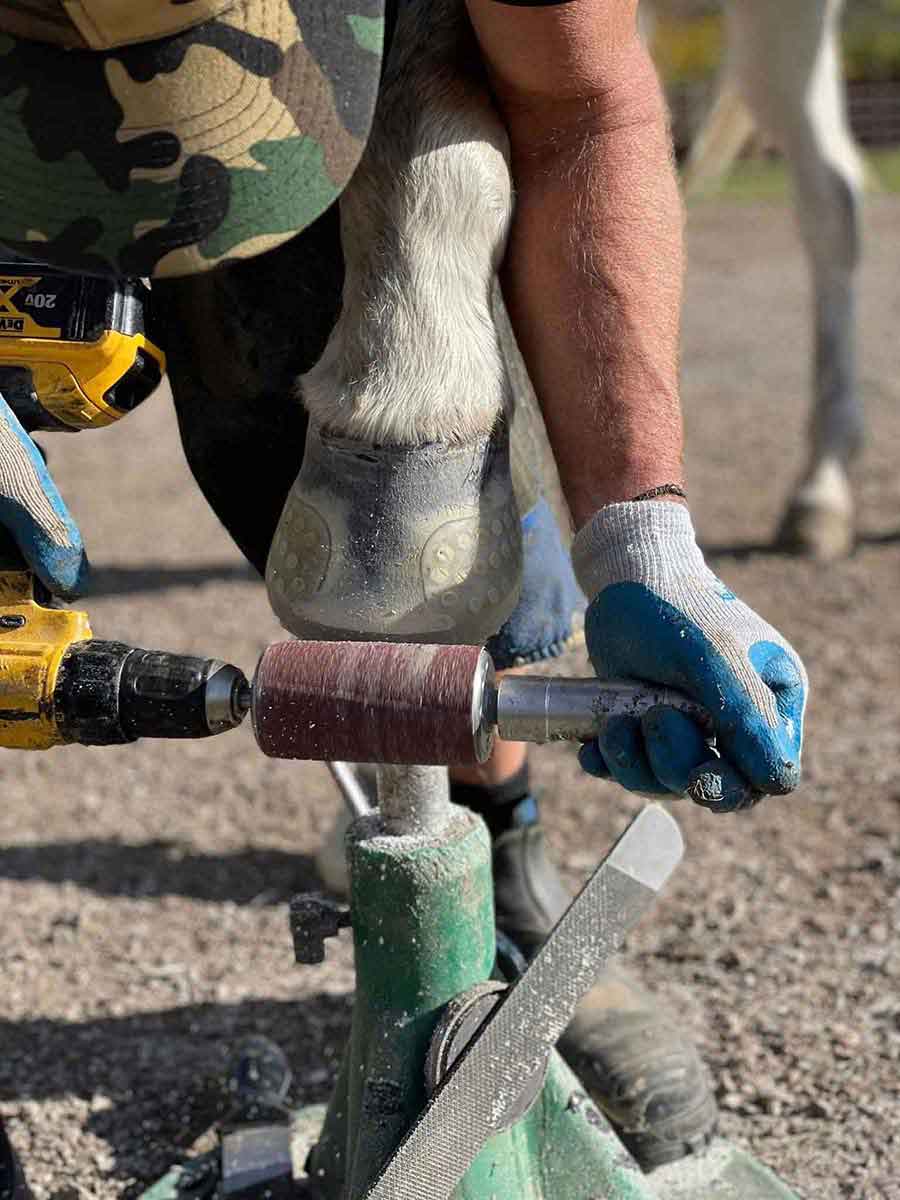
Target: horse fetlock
{"x":414,"y":543}
{"x":820,"y":520}
{"x":837,"y":435}
{"x":811,"y":531}
{"x":826,"y":485}
{"x":414,"y":356}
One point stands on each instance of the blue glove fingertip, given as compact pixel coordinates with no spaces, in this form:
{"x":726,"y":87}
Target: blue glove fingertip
{"x":675,"y":747}
{"x":65,"y":573}
{"x":63,"y":570}
{"x":621,"y":743}
{"x":716,"y":785}
{"x":768,"y":757}
{"x":591,"y":760}
{"x":782,"y":673}
{"x":53,"y":549}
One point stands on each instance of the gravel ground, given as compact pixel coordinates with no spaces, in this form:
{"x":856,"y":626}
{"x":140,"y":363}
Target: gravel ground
{"x":143,"y":889}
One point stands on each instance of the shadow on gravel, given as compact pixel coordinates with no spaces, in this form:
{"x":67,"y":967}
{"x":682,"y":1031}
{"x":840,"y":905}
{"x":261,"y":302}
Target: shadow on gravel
{"x":743,"y":550}
{"x":163,"y":868}
{"x":158,"y":577}
{"x":153,"y":1081}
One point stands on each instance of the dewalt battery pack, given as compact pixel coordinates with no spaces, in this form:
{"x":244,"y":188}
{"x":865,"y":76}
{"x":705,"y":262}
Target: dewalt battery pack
{"x":76,"y":351}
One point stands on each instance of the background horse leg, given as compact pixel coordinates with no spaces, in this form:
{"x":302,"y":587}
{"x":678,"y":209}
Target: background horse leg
{"x":720,"y":140}
{"x":785,"y":62}
{"x":727,"y":126}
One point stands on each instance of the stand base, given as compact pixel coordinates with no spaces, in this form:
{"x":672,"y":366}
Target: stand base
{"x":547,"y":1171}
{"x":424,"y":935}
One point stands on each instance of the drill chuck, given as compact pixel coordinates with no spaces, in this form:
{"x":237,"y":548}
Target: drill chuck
{"x":108,"y":693}
{"x":59,"y":685}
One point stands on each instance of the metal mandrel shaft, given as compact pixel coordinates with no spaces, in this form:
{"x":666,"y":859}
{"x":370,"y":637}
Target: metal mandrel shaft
{"x":556,"y":709}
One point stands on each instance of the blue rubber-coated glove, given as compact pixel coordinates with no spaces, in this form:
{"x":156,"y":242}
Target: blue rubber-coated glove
{"x":660,"y":615}
{"x":33,"y":512}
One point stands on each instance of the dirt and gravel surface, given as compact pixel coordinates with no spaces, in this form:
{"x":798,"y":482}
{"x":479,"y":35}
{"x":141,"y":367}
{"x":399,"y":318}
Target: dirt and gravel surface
{"x":143,"y":889}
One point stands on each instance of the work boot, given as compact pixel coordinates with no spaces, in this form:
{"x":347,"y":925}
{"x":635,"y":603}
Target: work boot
{"x":12,"y":1181}
{"x":647,"y":1079}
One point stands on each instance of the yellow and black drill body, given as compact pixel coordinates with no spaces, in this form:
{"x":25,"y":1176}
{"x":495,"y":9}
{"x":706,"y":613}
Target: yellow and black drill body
{"x":79,"y":352}
{"x":76,"y":351}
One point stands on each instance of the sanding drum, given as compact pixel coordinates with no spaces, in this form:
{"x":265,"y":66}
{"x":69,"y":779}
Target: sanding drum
{"x":388,"y":702}
{"x":384,"y":702}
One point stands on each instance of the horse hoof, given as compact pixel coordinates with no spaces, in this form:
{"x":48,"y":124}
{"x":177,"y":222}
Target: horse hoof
{"x":822,"y":534}
{"x":398,"y":543}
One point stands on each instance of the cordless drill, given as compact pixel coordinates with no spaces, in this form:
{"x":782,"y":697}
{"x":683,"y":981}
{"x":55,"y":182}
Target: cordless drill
{"x":78,"y":352}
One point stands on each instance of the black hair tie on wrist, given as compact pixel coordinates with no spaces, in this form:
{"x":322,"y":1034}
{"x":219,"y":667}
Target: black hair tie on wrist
{"x":664,"y":489}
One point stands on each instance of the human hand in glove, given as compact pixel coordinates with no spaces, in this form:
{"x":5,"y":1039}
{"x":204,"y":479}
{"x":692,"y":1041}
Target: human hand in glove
{"x":659,"y":614}
{"x":34,"y":514}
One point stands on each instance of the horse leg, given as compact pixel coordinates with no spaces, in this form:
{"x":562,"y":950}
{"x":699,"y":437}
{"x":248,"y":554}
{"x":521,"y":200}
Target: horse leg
{"x":402,"y":523}
{"x":786,"y":61}
{"x":718,"y":143}
{"x":413,"y":357}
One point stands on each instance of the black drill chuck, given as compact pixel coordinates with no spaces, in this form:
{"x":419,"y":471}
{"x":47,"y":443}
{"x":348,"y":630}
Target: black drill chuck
{"x":108,"y":693}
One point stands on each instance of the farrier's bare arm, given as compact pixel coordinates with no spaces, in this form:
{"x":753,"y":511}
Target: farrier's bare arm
{"x":593,"y":272}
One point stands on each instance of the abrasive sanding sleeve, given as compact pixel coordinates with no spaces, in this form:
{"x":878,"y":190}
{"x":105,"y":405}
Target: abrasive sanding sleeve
{"x":369,"y":702}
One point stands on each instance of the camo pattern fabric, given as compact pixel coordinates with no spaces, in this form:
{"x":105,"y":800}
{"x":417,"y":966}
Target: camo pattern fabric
{"x":163,"y":137}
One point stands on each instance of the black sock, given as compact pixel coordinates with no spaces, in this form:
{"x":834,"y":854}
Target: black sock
{"x":503,"y":805}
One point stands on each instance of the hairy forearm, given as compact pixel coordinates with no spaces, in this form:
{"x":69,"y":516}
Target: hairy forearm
{"x":592,"y":279}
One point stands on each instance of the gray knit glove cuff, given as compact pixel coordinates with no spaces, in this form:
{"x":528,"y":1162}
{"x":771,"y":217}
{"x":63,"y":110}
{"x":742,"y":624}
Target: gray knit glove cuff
{"x":648,"y":541}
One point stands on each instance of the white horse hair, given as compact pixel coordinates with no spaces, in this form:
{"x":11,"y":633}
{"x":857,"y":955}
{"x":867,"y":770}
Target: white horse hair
{"x":782,"y":72}
{"x":414,"y":357}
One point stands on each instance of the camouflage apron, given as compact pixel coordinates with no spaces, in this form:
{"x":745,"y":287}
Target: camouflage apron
{"x":161,"y":137}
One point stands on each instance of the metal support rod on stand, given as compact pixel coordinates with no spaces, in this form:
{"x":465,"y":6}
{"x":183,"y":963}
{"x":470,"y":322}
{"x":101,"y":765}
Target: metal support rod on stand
{"x":350,"y":788}
{"x":413,"y":799}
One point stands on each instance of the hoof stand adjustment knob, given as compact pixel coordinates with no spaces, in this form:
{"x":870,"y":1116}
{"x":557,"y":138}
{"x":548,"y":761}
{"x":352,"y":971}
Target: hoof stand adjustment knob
{"x":314,"y":918}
